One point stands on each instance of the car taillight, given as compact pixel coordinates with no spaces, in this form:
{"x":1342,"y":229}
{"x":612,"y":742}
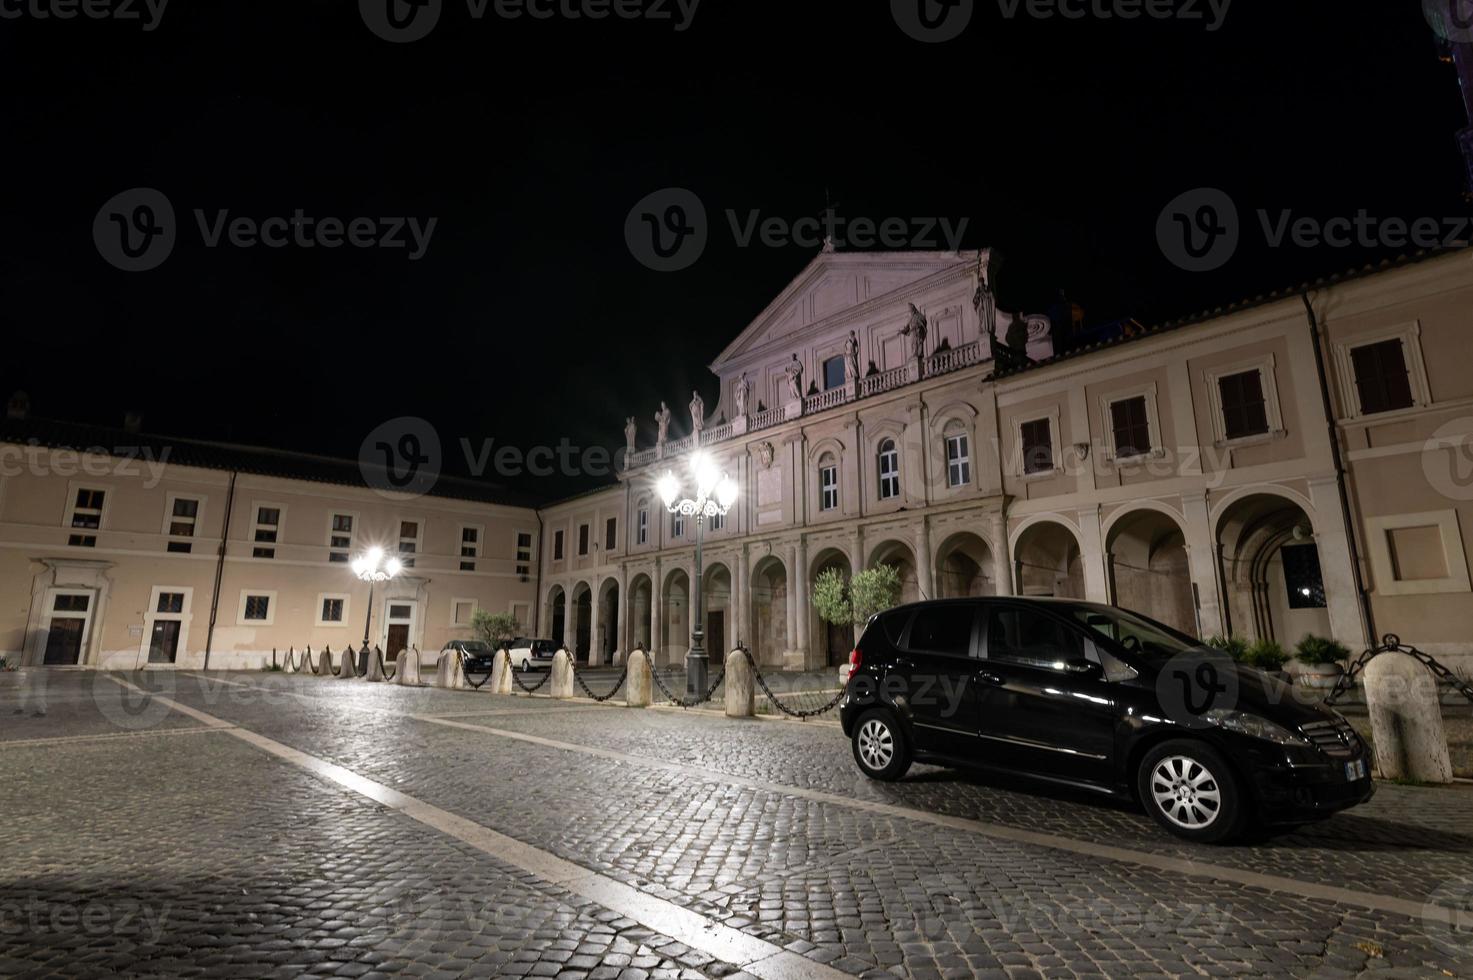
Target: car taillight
{"x":855,"y":659}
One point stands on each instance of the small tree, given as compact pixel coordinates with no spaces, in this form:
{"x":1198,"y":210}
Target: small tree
{"x":497,"y":629}
{"x":852,"y":603}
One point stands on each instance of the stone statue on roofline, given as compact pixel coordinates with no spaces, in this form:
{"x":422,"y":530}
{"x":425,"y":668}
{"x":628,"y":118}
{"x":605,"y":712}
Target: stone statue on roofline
{"x":630,"y":430}
{"x":697,"y":413}
{"x":794,"y":371}
{"x":916,"y":330}
{"x":662,"y":424}
{"x":742,"y":392}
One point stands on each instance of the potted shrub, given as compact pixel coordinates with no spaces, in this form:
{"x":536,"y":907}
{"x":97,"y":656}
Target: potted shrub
{"x":1234,"y":646}
{"x":1268,"y":656}
{"x":1321,"y":661}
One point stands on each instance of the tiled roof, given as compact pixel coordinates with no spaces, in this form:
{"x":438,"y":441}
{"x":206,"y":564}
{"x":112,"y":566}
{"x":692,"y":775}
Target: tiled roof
{"x":244,"y":459}
{"x":1263,"y":299}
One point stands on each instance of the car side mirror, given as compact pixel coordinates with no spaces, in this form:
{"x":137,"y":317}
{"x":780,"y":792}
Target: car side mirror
{"x":1084,"y":669}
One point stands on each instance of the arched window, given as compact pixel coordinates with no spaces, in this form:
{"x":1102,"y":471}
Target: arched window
{"x":828,"y":483}
{"x":889,"y":470}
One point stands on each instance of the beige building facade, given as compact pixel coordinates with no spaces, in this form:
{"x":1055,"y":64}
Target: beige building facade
{"x":1192,"y":472}
{"x":1301,"y":464}
{"x":146,"y":552}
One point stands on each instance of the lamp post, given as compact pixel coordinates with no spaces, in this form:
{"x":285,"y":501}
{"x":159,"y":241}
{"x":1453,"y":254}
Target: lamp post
{"x":715,"y":494}
{"x":372,"y":566}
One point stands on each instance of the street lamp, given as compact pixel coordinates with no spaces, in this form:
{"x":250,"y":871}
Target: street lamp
{"x":715,"y":493}
{"x":373,"y":566}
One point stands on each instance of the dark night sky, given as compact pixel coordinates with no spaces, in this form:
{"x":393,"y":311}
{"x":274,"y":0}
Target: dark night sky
{"x":528,"y":320}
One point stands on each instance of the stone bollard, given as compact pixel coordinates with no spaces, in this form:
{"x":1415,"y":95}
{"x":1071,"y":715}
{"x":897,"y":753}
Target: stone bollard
{"x":741,"y":686}
{"x":349,"y":669}
{"x":374,"y":673}
{"x":501,"y":672}
{"x":638,"y":686}
{"x":562,"y":675}
{"x":448,"y":673}
{"x":407,"y":671}
{"x":1406,"y":720}
{"x":324,"y":664}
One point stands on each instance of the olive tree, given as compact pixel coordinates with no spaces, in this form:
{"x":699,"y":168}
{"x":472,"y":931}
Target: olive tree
{"x":496,"y":629}
{"x":853,"y":602}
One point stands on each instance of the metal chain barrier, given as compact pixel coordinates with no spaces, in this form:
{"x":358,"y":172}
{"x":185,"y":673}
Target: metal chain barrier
{"x":1392,"y":643}
{"x":790,"y":712}
{"x":383,"y":669}
{"x":475,"y":685}
{"x":691,"y":703}
{"x":535,"y":687}
{"x":578,"y":676}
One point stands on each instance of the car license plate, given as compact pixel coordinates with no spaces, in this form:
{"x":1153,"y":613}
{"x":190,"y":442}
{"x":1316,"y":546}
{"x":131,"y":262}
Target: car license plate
{"x":1355,"y":770}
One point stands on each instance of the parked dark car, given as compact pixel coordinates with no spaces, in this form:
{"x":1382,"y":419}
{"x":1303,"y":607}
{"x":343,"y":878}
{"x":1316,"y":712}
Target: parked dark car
{"x":1102,"y":699}
{"x":475,"y":655}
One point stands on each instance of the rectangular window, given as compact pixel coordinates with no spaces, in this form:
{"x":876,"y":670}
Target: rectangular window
{"x":524,"y":553}
{"x":182,"y":524}
{"x":643,"y":533}
{"x":408,"y":542}
{"x":958,"y":460}
{"x":718,"y":522}
{"x":470,"y":548}
{"x":266,"y":532}
{"x":557,"y":546}
{"x":340,"y":538}
{"x":677,"y":526}
{"x":582,"y":539}
{"x":1128,"y":421}
{"x":462,"y":611}
{"x":170,"y":602}
{"x":611,"y":533}
{"x":828,"y":487}
{"x":1381,"y":378}
{"x":1038,"y":446}
{"x":833,"y":373}
{"x":332,"y":610}
{"x":257,"y":609}
{"x":889,"y":470}
{"x":82,"y":541}
{"x":1244,"y":412}
{"x":1302,"y":577}
{"x":88,"y":510}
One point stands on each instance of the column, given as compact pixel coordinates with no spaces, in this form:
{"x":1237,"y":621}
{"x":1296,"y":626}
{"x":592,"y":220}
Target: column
{"x":595,"y":650}
{"x":1092,"y":557}
{"x":790,"y":559}
{"x":622,"y":641}
{"x":923,"y":560}
{"x":740,"y":592}
{"x":657,"y":617}
{"x":1002,"y":566}
{"x":805,"y":623}
{"x":1202,"y":565}
{"x":1332,"y":538}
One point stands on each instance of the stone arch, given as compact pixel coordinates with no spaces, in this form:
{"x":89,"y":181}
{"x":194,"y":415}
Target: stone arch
{"x":894,"y":551}
{"x":605,"y":648}
{"x":557,"y":613}
{"x":769,"y":602}
{"x":831,"y":641}
{"x":964,"y":566}
{"x":1266,"y":543}
{"x":674,"y":620}
{"x":718,"y":609}
{"x":1047,"y":558}
{"x":581,"y":618}
{"x":641,"y":609}
{"x":1146,"y":559}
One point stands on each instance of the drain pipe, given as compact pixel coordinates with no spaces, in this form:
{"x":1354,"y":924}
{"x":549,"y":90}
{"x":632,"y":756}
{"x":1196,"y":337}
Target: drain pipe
{"x":1362,"y":595}
{"x":220,"y":568}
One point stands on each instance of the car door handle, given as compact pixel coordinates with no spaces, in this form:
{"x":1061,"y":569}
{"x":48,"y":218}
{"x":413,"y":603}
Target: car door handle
{"x":904,"y":664}
{"x":988,"y":677}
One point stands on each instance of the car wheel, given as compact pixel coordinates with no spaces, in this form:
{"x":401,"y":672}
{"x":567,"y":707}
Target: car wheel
{"x":1189,"y":788}
{"x":525,"y":666}
{"x":880,"y":747}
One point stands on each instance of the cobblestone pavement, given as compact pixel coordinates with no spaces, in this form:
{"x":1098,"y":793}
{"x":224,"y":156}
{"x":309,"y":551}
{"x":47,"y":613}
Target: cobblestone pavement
{"x":762,"y":826}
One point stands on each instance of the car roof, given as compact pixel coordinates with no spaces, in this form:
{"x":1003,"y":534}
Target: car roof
{"x":1057,"y":602}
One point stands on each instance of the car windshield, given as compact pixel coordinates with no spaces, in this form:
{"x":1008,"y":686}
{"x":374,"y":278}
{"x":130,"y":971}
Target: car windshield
{"x":475,"y":646}
{"x":1135,"y":634}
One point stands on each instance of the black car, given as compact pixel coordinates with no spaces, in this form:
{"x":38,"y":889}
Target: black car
{"x":475,"y":655}
{"x":1099,"y":698}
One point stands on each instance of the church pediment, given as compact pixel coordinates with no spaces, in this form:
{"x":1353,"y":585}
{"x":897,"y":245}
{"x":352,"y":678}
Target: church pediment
{"x":833,"y":283}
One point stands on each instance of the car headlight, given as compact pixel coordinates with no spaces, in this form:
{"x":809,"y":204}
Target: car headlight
{"x":1253,"y":726}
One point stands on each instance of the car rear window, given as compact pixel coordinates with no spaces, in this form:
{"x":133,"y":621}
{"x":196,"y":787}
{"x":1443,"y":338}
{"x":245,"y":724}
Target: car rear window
{"x":543,"y":646}
{"x":942,"y":629}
